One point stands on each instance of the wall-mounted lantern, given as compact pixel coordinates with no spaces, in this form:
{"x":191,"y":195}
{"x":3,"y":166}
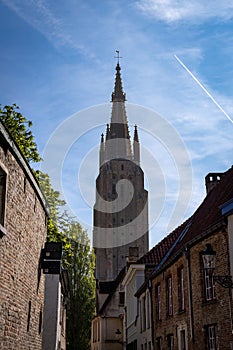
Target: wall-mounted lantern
{"x":209,"y":260}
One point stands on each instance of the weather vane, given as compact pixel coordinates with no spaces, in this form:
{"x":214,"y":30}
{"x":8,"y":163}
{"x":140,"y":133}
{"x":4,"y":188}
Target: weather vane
{"x":118,"y":56}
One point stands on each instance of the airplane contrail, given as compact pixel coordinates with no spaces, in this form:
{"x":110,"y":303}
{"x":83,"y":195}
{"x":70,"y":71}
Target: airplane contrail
{"x":203,"y":88}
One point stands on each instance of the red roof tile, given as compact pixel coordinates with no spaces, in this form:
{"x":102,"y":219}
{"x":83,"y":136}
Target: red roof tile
{"x":157,"y":253}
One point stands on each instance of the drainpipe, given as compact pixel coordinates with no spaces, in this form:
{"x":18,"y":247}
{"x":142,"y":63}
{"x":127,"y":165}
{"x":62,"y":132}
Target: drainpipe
{"x":151,"y":313}
{"x":125,"y":341}
{"x":190,"y":296}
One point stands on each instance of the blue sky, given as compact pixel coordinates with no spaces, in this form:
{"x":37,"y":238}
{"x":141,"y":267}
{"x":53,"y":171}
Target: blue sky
{"x":57,"y":63}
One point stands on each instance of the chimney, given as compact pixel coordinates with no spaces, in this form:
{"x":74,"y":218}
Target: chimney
{"x":211,"y":180}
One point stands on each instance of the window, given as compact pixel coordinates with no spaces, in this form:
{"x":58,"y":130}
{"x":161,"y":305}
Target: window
{"x":121,"y":298}
{"x":29,"y":315}
{"x":181,"y":289}
{"x":212,"y":338}
{"x":2,"y":200}
{"x":132,"y":345}
{"x":182,"y":337}
{"x":95,"y":331}
{"x":35,"y":204}
{"x":182,"y":340}
{"x":158,"y":302}
{"x":209,"y":285}
{"x":169,"y":296}
{"x":143,"y":312}
{"x":159,"y":343}
{"x":148,"y":310}
{"x":113,"y":188}
{"x":24,"y":185}
{"x":40,"y":321}
{"x":170,"y":341}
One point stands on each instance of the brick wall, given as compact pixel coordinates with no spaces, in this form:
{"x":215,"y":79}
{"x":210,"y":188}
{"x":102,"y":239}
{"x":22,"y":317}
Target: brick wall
{"x":21,"y":290}
{"x":216,"y":312}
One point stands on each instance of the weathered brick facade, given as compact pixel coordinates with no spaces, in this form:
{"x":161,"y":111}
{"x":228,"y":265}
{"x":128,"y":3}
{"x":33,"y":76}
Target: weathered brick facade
{"x":21,"y":284}
{"x":203,"y":313}
{"x":190,"y":310}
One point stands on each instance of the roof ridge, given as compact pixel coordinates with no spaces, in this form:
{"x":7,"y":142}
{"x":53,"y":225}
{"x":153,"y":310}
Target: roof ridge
{"x":173,"y":234}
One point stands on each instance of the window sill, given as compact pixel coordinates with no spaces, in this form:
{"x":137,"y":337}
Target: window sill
{"x":209,"y":302}
{"x":180,"y":312}
{"x":169,"y":316}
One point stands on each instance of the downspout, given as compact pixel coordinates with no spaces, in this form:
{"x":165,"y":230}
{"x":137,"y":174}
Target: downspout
{"x":152,"y":313}
{"x":190,"y":294}
{"x":230,"y":273}
{"x":126,"y":330}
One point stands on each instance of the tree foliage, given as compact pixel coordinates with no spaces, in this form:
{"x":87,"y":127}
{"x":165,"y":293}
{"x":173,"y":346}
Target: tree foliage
{"x":19,"y":128}
{"x":79,"y":260}
{"x":53,"y":197}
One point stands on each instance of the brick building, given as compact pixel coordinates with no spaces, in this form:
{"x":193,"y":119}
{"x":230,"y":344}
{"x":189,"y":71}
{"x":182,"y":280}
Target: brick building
{"x":190,"y":309}
{"x":23,"y":215}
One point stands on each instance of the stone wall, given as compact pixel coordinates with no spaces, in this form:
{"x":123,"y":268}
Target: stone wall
{"x":21,"y":285}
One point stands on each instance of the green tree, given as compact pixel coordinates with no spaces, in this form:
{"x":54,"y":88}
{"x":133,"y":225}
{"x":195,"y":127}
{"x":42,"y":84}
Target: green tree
{"x":80,"y":265}
{"x":19,"y":128}
{"x":53,"y":197}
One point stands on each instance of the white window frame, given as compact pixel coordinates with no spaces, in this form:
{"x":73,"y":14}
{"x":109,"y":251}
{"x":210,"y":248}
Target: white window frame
{"x":181,"y":289}
{"x":170,"y":341}
{"x":212,"y":337}
{"x":182,"y":329}
{"x":209,"y":286}
{"x":158,"y":301}
{"x":169,"y":296}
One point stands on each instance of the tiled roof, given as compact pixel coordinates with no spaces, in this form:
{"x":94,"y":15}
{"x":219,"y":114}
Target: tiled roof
{"x":208,"y":215}
{"x":158,"y":252}
{"x":204,"y":219}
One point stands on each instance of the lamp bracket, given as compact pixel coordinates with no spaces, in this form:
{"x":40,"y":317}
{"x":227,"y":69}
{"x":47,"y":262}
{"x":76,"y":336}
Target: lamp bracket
{"x":224,"y":281}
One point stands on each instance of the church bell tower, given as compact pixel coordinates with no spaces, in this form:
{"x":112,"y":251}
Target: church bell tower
{"x":121,"y":206}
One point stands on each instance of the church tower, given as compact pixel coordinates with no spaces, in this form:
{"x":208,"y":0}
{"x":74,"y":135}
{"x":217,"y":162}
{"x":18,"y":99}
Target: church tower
{"x":121,"y":206}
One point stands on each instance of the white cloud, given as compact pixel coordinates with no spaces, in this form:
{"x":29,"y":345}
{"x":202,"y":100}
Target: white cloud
{"x":42,"y":17}
{"x":172,"y":11}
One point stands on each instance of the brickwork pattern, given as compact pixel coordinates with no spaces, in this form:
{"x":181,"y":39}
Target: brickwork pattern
{"x":204,"y":313}
{"x":22,"y":287}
